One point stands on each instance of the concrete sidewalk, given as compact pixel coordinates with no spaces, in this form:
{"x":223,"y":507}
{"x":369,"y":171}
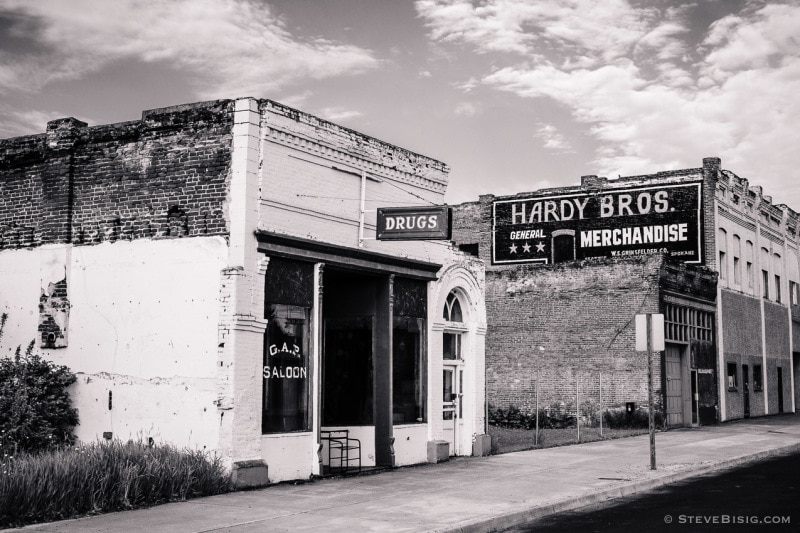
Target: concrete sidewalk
{"x":467,"y":494}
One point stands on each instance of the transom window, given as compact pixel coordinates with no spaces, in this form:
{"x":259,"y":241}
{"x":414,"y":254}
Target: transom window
{"x":452,"y":308}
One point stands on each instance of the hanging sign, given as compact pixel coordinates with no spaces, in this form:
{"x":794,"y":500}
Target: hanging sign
{"x":413,"y":223}
{"x":616,"y":222}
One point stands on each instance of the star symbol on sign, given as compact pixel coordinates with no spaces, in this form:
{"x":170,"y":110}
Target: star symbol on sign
{"x":526,"y":247}
{"x":540,"y":246}
{"x":513,"y":248}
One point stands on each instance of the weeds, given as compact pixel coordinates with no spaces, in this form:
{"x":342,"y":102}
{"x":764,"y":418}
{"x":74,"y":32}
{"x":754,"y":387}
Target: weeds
{"x":102,"y":477}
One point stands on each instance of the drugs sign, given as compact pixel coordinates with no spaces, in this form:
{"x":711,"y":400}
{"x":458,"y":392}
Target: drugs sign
{"x":413,"y":223}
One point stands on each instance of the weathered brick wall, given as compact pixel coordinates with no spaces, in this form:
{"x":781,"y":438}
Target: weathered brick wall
{"x":581,"y":314}
{"x":776,"y":324}
{"x":711,"y":170}
{"x":741,"y":334}
{"x":163,"y":176}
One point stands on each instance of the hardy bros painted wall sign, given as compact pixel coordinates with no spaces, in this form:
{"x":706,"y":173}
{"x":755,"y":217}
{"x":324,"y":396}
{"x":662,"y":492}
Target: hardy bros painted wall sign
{"x":413,"y":223}
{"x":635,"y":221}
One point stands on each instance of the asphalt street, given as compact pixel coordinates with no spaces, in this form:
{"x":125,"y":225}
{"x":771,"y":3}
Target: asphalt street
{"x":760,"y":497}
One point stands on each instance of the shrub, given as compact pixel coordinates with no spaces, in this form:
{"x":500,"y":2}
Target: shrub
{"x":557,"y":416}
{"x":35,"y":409}
{"x":103,"y":477}
{"x":619,"y":418}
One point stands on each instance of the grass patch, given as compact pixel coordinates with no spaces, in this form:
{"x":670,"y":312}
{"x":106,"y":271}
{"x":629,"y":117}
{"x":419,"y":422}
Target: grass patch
{"x":102,"y":477}
{"x":505,"y":440}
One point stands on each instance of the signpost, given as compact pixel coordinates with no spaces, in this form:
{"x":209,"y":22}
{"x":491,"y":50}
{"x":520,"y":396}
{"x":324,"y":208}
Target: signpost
{"x":649,"y":338}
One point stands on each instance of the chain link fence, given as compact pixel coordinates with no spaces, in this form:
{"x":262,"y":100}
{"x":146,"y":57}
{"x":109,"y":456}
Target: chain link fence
{"x":556,"y":410}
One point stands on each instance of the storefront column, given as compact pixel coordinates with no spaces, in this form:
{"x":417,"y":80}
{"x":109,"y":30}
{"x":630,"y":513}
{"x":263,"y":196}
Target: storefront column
{"x":316,"y":364}
{"x":383,"y":414}
{"x":242,"y":324}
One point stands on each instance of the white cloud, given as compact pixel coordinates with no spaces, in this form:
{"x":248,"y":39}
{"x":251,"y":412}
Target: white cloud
{"x":607,"y":29}
{"x":736,"y":43}
{"x":553,"y":139}
{"x":228,"y":48}
{"x":651,"y":98}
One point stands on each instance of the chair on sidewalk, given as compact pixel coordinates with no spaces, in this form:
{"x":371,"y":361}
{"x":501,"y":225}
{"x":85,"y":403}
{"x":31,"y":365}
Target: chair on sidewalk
{"x":344,"y":452}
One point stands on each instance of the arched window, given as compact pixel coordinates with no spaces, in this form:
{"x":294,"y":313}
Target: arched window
{"x":452,"y":308}
{"x":722,"y":247}
{"x":452,"y":339}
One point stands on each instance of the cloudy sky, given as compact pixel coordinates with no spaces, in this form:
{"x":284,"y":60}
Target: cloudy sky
{"x":514,"y":95}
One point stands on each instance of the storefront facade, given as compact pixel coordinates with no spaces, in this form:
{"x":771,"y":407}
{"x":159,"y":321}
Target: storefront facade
{"x":246,"y":231}
{"x":568,"y":268}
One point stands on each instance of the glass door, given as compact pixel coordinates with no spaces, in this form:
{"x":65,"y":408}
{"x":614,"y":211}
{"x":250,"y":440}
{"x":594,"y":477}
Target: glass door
{"x":452,"y":404}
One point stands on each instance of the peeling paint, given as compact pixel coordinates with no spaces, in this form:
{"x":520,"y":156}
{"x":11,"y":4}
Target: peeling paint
{"x":54,"y":315}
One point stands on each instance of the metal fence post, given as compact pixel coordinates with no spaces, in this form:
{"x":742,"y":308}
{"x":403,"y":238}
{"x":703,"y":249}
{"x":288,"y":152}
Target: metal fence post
{"x":536,"y":434}
{"x":601,"y":404}
{"x":578,"y":405}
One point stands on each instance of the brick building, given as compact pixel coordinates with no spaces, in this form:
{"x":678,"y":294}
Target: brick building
{"x":211,"y":274}
{"x":568,"y":268}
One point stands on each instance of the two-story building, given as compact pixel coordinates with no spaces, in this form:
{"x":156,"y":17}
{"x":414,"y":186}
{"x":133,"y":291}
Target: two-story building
{"x":569,"y":268}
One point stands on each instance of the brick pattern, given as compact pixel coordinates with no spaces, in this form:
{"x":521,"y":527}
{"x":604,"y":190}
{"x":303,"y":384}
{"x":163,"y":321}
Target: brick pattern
{"x":54,"y":315}
{"x":581,"y":314}
{"x":163,"y":176}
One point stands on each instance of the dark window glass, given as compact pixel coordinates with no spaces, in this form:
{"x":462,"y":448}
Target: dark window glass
{"x":451,"y":346}
{"x":757,"y":371}
{"x":732,"y":382}
{"x":286,"y":371}
{"x":348,"y":372}
{"x":408,"y":370}
{"x":448,"y":394}
{"x":410,"y":298}
{"x":452,"y":309}
{"x":289,"y":282}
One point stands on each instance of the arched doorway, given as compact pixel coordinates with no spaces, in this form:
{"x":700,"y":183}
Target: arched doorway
{"x":453,"y":372}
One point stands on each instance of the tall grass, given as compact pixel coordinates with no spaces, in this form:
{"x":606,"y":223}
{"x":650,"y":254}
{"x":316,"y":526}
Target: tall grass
{"x":103,"y":477}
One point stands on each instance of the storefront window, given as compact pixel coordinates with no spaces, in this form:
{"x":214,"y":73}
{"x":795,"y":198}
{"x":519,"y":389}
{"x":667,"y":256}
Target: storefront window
{"x":408,"y":368}
{"x":286,"y":371}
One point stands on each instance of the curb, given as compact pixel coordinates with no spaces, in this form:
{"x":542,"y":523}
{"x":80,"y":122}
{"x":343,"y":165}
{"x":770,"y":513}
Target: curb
{"x":570,"y":503}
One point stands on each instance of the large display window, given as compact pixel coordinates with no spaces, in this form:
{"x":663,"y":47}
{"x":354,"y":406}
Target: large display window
{"x":286,"y":369}
{"x":287,"y":347}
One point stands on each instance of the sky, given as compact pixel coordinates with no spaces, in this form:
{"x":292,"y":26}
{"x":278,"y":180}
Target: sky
{"x":513,"y":95}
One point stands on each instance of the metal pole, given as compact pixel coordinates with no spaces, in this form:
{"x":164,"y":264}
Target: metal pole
{"x":362,"y":209}
{"x":578,"y":405}
{"x":601,"y":405}
{"x":536,"y":434}
{"x":650,"y":390}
